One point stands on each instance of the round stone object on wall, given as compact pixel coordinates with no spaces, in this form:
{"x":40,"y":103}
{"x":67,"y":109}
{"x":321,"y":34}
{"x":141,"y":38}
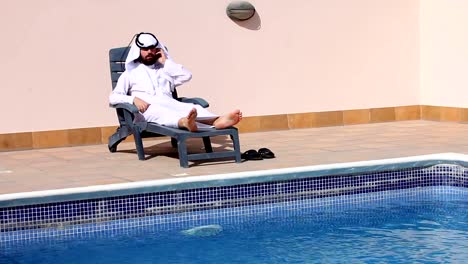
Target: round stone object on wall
{"x":240,"y":10}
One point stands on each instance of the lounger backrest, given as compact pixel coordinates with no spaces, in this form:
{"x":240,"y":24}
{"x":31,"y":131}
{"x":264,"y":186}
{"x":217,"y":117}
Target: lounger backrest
{"x":117,"y":58}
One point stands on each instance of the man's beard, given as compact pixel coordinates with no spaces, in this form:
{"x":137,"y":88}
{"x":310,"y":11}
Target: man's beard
{"x":149,"y":60}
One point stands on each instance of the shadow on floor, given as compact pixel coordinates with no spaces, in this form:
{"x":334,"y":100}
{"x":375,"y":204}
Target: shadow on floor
{"x":194,"y":145}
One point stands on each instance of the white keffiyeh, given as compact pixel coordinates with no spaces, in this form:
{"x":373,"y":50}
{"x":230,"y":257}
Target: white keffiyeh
{"x":152,"y":74}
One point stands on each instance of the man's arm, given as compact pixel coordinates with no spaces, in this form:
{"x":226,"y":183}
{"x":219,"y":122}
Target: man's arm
{"x":120,"y":93}
{"x":176,"y":71}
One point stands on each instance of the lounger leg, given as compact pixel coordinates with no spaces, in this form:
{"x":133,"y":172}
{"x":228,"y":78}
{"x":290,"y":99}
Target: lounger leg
{"x":117,"y":137}
{"x":207,"y":143}
{"x":174,"y":142}
{"x":114,"y":140}
{"x":183,"y":157}
{"x":235,"y":141}
{"x":139,"y":143}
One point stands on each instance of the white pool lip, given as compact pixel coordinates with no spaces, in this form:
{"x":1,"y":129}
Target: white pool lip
{"x":118,"y":189}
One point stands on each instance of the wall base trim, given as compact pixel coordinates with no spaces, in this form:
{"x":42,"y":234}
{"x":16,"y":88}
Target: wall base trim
{"x":100,"y":135}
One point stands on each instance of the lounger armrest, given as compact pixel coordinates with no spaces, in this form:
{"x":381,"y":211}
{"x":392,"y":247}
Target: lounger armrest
{"x":195,"y":100}
{"x":129,"y":107}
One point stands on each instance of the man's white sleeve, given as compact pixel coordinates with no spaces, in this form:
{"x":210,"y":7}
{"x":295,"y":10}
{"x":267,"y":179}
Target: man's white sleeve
{"x":177,"y":72}
{"x":120,"y":92}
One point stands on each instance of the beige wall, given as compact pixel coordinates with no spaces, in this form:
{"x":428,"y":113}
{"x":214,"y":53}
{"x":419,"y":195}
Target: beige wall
{"x":308,"y":56}
{"x":444,"y":53}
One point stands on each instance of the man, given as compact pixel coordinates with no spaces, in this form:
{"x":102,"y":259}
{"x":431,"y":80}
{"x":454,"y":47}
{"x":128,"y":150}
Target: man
{"x":148,"y":82}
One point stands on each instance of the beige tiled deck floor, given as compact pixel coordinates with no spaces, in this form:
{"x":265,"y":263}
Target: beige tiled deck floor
{"x":45,"y":169}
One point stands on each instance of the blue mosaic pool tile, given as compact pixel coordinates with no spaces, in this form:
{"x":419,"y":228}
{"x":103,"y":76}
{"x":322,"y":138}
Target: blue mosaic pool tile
{"x":17,"y":222}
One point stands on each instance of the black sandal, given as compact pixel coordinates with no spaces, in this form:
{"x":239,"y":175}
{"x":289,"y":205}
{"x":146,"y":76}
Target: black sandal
{"x":251,"y":154}
{"x":266,"y":153}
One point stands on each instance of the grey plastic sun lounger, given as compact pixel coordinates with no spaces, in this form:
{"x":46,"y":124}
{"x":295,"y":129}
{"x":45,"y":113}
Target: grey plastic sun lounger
{"x":126,"y":113}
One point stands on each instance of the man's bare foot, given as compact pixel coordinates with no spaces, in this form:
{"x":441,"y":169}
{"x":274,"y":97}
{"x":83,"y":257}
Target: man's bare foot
{"x":189,"y":121}
{"x":228,"y":120}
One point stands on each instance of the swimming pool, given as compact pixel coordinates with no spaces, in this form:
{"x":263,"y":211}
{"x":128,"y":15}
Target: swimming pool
{"x":418,"y":226}
{"x":226,"y":203}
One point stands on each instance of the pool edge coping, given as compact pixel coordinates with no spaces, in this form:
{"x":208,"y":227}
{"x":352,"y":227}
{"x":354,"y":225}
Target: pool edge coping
{"x":228,"y":179}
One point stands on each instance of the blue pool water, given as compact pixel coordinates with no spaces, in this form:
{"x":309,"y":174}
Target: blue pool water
{"x":409,"y":230}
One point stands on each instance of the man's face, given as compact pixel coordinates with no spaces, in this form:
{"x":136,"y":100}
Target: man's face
{"x":150,"y":55}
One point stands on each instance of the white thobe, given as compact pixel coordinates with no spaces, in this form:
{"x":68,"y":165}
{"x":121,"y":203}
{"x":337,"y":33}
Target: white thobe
{"x":154,"y":84}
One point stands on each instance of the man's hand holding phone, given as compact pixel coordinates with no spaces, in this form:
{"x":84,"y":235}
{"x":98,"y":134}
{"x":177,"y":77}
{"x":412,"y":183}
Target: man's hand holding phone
{"x":161,"y":55}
